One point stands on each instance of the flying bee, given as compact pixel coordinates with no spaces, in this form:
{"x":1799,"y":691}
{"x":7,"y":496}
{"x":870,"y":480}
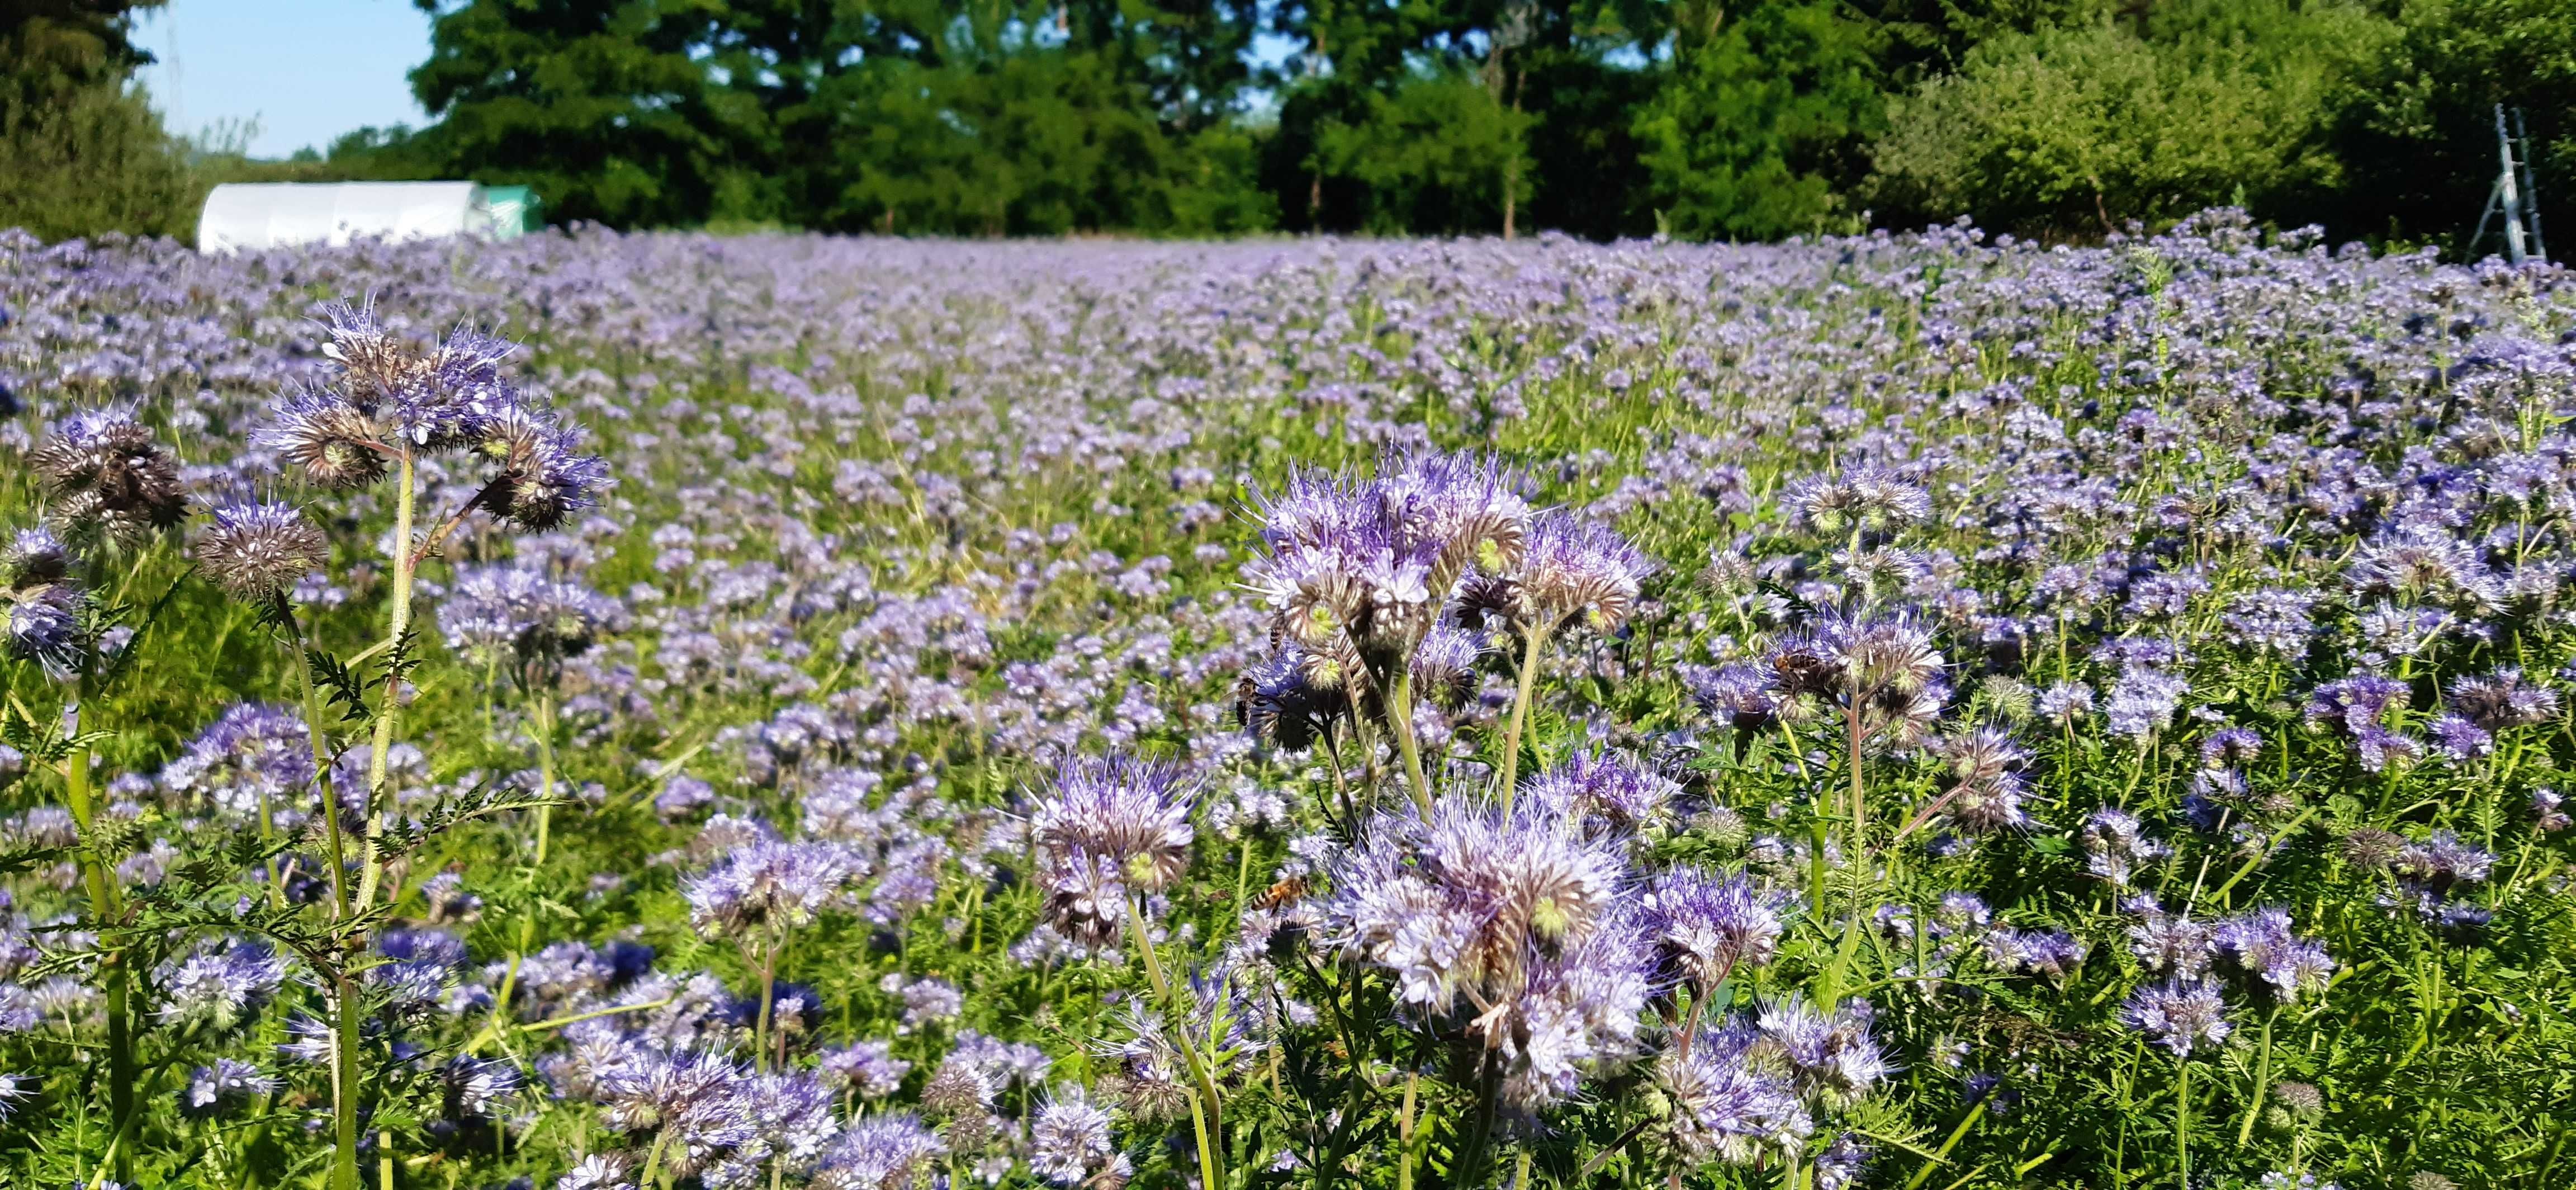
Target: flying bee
{"x":1283,"y":894}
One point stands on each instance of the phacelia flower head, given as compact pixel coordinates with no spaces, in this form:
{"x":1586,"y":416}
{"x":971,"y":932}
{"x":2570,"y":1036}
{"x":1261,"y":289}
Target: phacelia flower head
{"x":766,"y":883}
{"x":224,"y":1088}
{"x":252,"y":756}
{"x":2261,"y":945}
{"x":256,"y":552}
{"x":107,"y":478}
{"x":1070,"y":1142}
{"x":1580,"y":571}
{"x":890,"y":1151}
{"x":2178,"y":1014}
{"x":1110,"y":825}
{"x":1604,"y":791}
{"x":525,"y":623}
{"x":1712,"y":925}
{"x":1867,"y":498}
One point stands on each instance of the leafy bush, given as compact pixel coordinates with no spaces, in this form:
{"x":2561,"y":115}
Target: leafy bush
{"x":2069,"y":123}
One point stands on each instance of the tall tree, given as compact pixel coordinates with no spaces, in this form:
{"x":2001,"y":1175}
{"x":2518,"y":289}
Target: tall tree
{"x":609,"y":108}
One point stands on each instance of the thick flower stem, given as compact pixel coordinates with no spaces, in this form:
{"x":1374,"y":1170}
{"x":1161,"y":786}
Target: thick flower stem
{"x":1399,"y":714}
{"x":2262,"y":1080}
{"x":1206,"y":1109}
{"x":106,"y":904}
{"x":2182,"y":1121}
{"x":545,"y":716}
{"x":343,"y":990}
{"x":397,"y":629}
{"x":1535,"y":639}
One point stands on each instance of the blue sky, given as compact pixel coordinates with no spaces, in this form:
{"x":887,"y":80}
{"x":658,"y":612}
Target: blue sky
{"x":305,"y":70}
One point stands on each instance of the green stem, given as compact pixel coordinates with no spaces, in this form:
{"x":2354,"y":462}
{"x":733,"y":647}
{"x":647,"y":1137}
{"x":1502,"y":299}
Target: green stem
{"x":398,"y":626}
{"x":344,"y":991}
{"x":1942,"y":1155}
{"x":1399,"y":714}
{"x":2182,"y":1121}
{"x":107,"y":904}
{"x":1535,"y":638}
{"x":1204,"y":1118}
{"x":545,"y":715}
{"x":2262,"y":1080}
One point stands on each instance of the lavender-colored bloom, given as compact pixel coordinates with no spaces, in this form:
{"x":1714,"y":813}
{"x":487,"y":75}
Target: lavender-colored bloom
{"x":2260,"y":943}
{"x":1580,"y":571}
{"x":1713,"y":925}
{"x":2116,"y":845}
{"x":1726,"y":1104}
{"x":1605,"y":791}
{"x":108,"y":478}
{"x":926,"y":1001}
{"x":256,"y":551}
{"x":2053,"y":953}
{"x":252,"y":756}
{"x":2360,"y":705}
{"x":1839,"y":1166}
{"x":2066,"y":703}
{"x":2170,"y":943}
{"x":882,"y":1152}
{"x":1070,"y":1143}
{"x":1739,"y":696}
{"x":525,"y":623}
{"x":1461,"y":907}
{"x":46,"y":625}
{"x":2546,"y":814}
{"x":1833,"y":1058}
{"x":868,"y":1069}
{"x":1868,"y":498}
{"x":2180,"y":1015}
{"x":2441,"y":863}
{"x":220,"y":990}
{"x":2142,"y":702}
{"x":2272,"y":619}
{"x":33,"y":558}
{"x":223,"y":1088}
{"x":768,"y":884}
{"x":1109,"y":827}
{"x":2503,"y":700}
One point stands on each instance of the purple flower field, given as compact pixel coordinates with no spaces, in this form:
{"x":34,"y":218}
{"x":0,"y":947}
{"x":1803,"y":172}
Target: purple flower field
{"x":661,"y":711}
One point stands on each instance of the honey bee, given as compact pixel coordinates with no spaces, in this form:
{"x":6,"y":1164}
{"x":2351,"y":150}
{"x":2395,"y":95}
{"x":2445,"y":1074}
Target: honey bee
{"x":1283,"y":894}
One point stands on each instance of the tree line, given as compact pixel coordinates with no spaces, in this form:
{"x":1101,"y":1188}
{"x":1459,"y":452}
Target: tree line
{"x":1696,"y":118}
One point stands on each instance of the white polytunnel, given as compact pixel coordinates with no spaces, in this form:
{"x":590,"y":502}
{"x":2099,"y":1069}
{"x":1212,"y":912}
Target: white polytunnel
{"x":255,"y":215}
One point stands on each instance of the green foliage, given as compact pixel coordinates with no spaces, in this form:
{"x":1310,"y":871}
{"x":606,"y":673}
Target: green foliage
{"x":2100,"y":123}
{"x":1753,"y":127}
{"x":2417,"y":127}
{"x":1435,"y":153}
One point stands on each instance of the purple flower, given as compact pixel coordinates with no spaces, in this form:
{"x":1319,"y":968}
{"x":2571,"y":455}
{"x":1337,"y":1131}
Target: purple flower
{"x":868,"y":1068}
{"x":766,"y":884}
{"x":1727,"y":1104}
{"x":223,"y":1088}
{"x":219,"y":990}
{"x":1109,"y":827}
{"x":1713,"y":925}
{"x":1606,"y":791}
{"x":108,"y":478}
{"x":2260,"y":943}
{"x":2180,"y":1015}
{"x":257,"y":551}
{"x":2053,"y":953}
{"x":2116,"y":845}
{"x":253,"y":757}
{"x":1069,"y":1142}
{"x":1580,"y":571}
{"x":881,"y":1152}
